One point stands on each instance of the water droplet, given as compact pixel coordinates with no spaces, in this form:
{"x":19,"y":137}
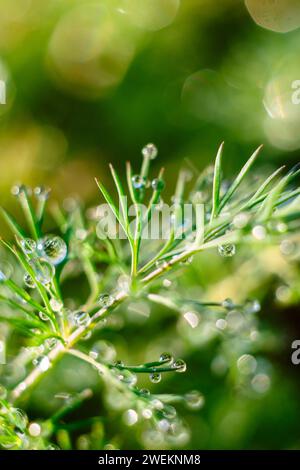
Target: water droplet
{"x":43,"y":316}
{"x":155,"y":377}
{"x":228,"y":304}
{"x":246,"y":364}
{"x":150,"y":151}
{"x":179,"y":365}
{"x":147,"y":413}
{"x":129,"y":378}
{"x":240,"y":220}
{"x":29,"y":281}
{"x":221,"y":324}
{"x":18,"y":189}
{"x":158,"y":184}
{"x":288,"y":247}
{"x":50,"y":343}
{"x":34,"y":429}
{"x":192,"y":318}
{"x":169,"y":412}
{"x":103,"y":350}
{"x":41,"y":193}
{"x":42,"y":363}
{"x":166,"y":358}
{"x":5,"y":271}
{"x":194,"y":400}
{"x":52,"y":248}
{"x":53,"y":447}
{"x":43,"y":270}
{"x":167,"y":283}
{"x":28,"y":245}
{"x":56,"y":304}
{"x":252,"y":306}
{"x":187,"y":261}
{"x":145,"y":391}
{"x":81,"y":318}
{"x":259,"y":232}
{"x":130,"y":417}
{"x":261,"y":383}
{"x":138,"y":182}
{"x":227,"y":251}
{"x":106,"y":300}
{"x":19,"y":418}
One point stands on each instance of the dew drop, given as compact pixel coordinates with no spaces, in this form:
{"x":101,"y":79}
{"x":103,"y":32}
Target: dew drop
{"x":28,"y":245}
{"x":41,"y":193}
{"x":56,"y":304}
{"x":227,"y":251}
{"x":179,"y":365}
{"x":53,"y":248}
{"x":259,"y":232}
{"x":43,"y":270}
{"x":106,"y":300}
{"x":194,"y":400}
{"x":252,"y":306}
{"x":145,"y":391}
{"x":169,"y":412}
{"x":166,"y":358}
{"x":246,"y":364}
{"x":150,"y":151}
{"x":158,"y":184}
{"x":130,"y":417}
{"x":81,"y":318}
{"x":228,"y":304}
{"x":34,"y":429}
{"x":18,"y":189}
{"x":50,"y":343}
{"x":43,"y":316}
{"x":221,"y":324}
{"x":28,"y":281}
{"x":155,"y":377}
{"x":240,"y":220}
{"x":19,"y":418}
{"x":138,"y":182}
{"x":42,"y":363}
{"x":261,"y":383}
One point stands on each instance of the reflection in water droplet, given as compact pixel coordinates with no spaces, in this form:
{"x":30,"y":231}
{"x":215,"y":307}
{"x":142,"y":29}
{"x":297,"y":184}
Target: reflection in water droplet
{"x":155,"y":377}
{"x":227,"y":251}
{"x":194,"y":400}
{"x":28,"y":281}
{"x":52,"y":248}
{"x":28,"y":245}
{"x":179,"y":365}
{"x":106,"y":300}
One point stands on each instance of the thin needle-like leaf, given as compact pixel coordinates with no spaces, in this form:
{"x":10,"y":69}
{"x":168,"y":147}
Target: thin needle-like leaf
{"x":14,"y":226}
{"x":236,"y":183}
{"x":217,"y":183}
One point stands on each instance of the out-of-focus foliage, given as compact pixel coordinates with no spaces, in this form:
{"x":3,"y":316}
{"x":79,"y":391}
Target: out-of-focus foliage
{"x":90,"y":81}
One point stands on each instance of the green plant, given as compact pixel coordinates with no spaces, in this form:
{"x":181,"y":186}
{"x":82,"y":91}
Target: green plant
{"x":131,"y":268}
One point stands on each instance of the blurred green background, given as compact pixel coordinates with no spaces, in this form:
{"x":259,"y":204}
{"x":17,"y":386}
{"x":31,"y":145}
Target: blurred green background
{"x":91,"y":82}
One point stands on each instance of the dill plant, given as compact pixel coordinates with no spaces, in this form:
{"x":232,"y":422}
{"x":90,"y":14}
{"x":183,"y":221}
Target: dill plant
{"x":39,"y":328}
